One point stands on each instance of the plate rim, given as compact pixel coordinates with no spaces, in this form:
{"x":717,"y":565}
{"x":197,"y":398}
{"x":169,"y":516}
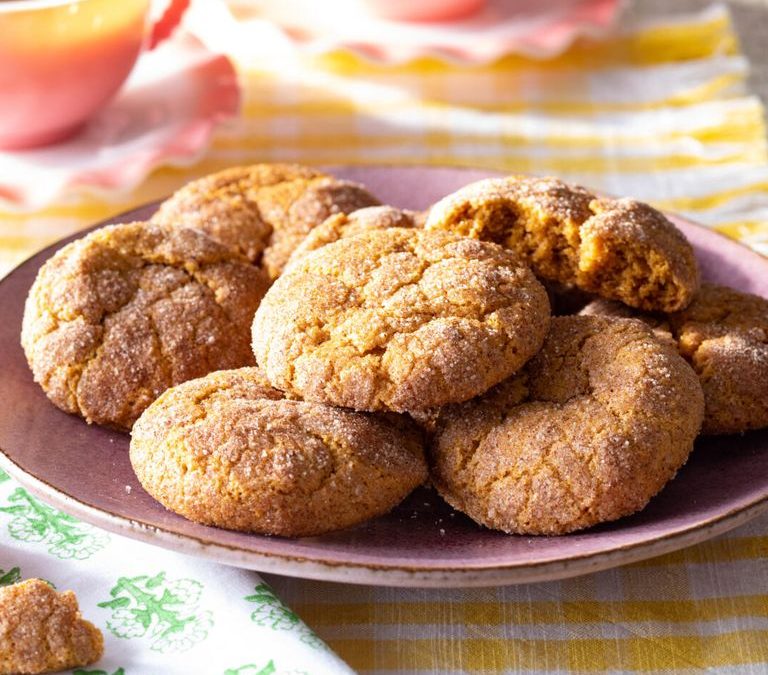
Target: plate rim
{"x":359,"y":572}
{"x":384,"y":575}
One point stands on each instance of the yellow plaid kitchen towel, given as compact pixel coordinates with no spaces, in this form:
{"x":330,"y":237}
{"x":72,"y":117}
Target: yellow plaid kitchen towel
{"x":658,"y":111}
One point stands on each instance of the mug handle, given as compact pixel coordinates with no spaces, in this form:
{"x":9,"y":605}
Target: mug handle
{"x":167,"y":23}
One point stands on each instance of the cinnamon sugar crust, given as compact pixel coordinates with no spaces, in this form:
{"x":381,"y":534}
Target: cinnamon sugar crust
{"x":344,"y":225}
{"x":723,"y":334}
{"x":617,"y":248}
{"x":115,"y":318}
{"x":592,"y":428}
{"x":262,"y":211}
{"x":231,"y":451}
{"x":42,"y":631}
{"x":399,"y":319}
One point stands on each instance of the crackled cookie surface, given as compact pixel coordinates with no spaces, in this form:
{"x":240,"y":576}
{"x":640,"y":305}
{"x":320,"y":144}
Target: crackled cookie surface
{"x":262,"y":211}
{"x":231,"y":451}
{"x":344,"y":225}
{"x":723,"y":334}
{"x":616,"y":248}
{"x":115,"y":318}
{"x":399,"y":319}
{"x":42,"y":631}
{"x":592,"y":428}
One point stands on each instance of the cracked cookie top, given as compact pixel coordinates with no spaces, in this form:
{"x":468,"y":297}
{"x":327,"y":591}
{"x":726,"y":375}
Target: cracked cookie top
{"x":616,"y":248}
{"x":229,"y":450}
{"x":262,"y":211}
{"x":115,"y":318}
{"x":592,"y":428}
{"x":399,"y":319}
{"x":347,"y":225}
{"x":42,"y":631}
{"x":723,"y":334}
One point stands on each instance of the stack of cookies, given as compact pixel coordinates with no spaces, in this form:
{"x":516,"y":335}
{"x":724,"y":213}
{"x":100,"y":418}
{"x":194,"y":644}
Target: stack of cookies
{"x":293,"y":358}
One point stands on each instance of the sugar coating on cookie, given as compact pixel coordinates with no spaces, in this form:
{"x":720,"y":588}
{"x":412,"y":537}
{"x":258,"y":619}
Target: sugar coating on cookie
{"x":616,"y":248}
{"x":262,"y":211}
{"x":115,"y":318}
{"x":399,"y":319}
{"x":723,"y":334}
{"x":229,"y":450}
{"x":43,"y":631}
{"x":592,"y":428}
{"x":347,"y":225}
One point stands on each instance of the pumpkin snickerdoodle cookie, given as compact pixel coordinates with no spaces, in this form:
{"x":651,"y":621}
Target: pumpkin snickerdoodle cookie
{"x":723,"y":334}
{"x":262,"y":211}
{"x":115,"y":318}
{"x":42,"y":631}
{"x":344,"y":225}
{"x":616,"y":248}
{"x":592,"y":428}
{"x":399,"y":319}
{"x":229,"y":450}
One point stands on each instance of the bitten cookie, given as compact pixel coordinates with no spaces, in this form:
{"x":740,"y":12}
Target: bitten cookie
{"x":231,"y":451}
{"x":616,"y":248}
{"x":592,"y":428}
{"x":42,"y":631}
{"x":347,"y":225}
{"x":723,"y":334}
{"x":262,"y":211}
{"x":399,"y":319}
{"x":115,"y":318}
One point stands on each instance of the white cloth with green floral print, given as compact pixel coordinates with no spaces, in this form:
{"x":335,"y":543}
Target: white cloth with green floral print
{"x":160,"y":612}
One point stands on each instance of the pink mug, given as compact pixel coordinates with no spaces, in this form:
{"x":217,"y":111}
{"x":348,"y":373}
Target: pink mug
{"x":424,"y":10}
{"x":62,"y":60}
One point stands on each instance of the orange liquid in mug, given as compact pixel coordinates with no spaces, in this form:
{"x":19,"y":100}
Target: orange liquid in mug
{"x":60,"y":63}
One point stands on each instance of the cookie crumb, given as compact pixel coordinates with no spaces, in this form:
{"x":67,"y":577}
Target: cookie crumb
{"x":43,"y":631}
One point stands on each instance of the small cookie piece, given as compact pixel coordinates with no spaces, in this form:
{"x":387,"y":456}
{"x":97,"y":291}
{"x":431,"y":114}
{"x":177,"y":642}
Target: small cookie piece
{"x":399,"y":319}
{"x":592,"y":428}
{"x":262,"y":211}
{"x":616,"y":248}
{"x":723,"y":334}
{"x":115,"y":318}
{"x":347,"y":225}
{"x":229,"y":450}
{"x":42,"y":631}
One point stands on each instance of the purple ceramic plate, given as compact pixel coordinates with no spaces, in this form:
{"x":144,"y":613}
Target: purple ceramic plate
{"x":85,"y":470}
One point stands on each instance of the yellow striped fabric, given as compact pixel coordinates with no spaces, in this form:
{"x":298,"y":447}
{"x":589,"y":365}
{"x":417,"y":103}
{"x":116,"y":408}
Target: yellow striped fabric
{"x":658,"y":111}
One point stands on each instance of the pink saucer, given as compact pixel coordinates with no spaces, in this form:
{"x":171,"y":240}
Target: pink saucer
{"x":85,"y":470}
{"x":532,"y":28}
{"x":165,"y":114}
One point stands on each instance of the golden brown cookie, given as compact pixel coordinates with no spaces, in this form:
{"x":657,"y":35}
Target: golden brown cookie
{"x":616,"y":248}
{"x":231,"y":451}
{"x":117,"y":317}
{"x":262,"y":211}
{"x":592,"y":428}
{"x":723,"y":334}
{"x":399,"y":319}
{"x":347,"y":225}
{"x":42,"y":631}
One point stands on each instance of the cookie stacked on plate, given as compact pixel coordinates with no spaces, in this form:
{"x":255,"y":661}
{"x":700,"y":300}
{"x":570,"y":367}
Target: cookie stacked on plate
{"x":390,"y":345}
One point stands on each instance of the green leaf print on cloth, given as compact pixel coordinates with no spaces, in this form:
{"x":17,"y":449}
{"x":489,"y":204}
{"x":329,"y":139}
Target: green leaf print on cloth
{"x":65,"y":536}
{"x":165,"y":611}
{"x":4,"y":476}
{"x":271,"y":613}
{"x":10,"y":577}
{"x":79,"y":671}
{"x":251,"y":669}
{"x":268,"y":669}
